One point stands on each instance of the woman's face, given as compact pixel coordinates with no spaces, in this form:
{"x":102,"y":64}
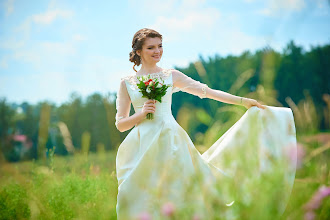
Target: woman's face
{"x":152,"y":50}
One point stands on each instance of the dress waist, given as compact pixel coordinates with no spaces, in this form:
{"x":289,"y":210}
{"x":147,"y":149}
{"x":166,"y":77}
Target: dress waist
{"x":162,"y":110}
{"x":159,"y":115}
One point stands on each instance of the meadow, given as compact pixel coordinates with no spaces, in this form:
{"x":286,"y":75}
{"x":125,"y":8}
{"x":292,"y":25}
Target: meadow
{"x":84,"y":186}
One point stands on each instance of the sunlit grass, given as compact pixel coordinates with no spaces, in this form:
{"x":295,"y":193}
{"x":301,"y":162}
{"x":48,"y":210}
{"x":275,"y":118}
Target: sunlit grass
{"x":80,"y":187}
{"x":72,"y":187}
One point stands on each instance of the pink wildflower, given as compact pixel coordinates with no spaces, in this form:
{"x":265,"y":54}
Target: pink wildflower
{"x":309,"y":216}
{"x":168,"y":209}
{"x":300,"y":155}
{"x":295,"y":152}
{"x":196,"y":217}
{"x":144,"y":216}
{"x":315,"y":202}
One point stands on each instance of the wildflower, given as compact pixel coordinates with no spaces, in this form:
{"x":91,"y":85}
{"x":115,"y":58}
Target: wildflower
{"x":300,"y":154}
{"x":309,"y":216}
{"x":144,"y":216}
{"x":196,"y":217}
{"x":315,"y":202}
{"x":168,"y":209}
{"x":295,"y":152}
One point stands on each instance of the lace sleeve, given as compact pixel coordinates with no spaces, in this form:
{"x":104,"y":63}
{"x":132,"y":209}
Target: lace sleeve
{"x":182,"y":82}
{"x":123,"y":103}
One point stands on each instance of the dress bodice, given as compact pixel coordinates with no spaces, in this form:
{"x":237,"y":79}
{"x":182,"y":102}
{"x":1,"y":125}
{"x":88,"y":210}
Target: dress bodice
{"x":129,"y":93}
{"x":162,"y":108}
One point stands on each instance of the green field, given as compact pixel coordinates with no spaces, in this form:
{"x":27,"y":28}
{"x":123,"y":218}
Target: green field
{"x":85,"y":187}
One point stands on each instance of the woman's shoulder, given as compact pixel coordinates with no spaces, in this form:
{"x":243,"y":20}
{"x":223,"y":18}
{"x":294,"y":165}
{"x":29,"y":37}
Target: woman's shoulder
{"x":129,"y":78}
{"x":126,"y":77}
{"x":177,"y":74}
{"x":168,"y":72}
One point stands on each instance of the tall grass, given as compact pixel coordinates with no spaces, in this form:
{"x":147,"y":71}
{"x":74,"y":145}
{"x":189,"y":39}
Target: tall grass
{"x":73,"y":187}
{"x":80,"y":187}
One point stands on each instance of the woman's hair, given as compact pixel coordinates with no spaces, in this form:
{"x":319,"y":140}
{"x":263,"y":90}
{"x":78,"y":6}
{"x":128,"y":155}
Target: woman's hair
{"x":138,"y":41}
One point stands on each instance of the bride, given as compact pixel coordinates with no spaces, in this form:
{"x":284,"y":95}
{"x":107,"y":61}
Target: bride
{"x":157,"y":163}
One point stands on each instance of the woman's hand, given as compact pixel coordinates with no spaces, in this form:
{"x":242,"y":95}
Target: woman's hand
{"x":248,"y":103}
{"x":149,"y":107}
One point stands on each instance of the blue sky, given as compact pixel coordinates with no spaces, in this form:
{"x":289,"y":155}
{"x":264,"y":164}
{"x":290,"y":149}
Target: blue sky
{"x":49,"y":49}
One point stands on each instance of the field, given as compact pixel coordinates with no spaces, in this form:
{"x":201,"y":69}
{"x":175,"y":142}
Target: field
{"x":85,"y":187}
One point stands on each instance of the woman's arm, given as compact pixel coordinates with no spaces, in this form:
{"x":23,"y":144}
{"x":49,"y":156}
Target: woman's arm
{"x":222,"y":96}
{"x":189,"y":85}
{"x":225,"y":97}
{"x":125,"y":122}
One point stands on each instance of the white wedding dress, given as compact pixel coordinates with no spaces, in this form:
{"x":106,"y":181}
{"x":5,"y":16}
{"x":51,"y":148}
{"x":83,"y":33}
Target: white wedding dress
{"x":157,"y":160}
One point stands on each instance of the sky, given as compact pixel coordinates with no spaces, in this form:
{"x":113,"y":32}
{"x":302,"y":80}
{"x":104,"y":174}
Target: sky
{"x":51,"y":48}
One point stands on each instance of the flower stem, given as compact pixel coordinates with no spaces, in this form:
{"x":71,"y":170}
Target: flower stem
{"x":150,"y":116}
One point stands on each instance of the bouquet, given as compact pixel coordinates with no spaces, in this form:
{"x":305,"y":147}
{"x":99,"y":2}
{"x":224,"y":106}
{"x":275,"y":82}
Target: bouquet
{"x":152,"y":88}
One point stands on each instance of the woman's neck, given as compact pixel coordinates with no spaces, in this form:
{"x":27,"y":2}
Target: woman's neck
{"x":148,"y":69}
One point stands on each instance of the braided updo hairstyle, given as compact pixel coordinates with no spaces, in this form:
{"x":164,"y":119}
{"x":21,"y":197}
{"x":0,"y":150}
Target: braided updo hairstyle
{"x":138,"y":41}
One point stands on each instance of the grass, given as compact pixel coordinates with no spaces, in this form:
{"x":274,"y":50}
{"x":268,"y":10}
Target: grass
{"x":73,"y":187}
{"x":85,"y":187}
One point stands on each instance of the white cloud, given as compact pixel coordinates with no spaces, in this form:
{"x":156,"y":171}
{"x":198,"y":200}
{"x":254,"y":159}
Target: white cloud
{"x":278,"y":7}
{"x":57,"y":48}
{"x":46,"y":54}
{"x":185,"y":18}
{"x":4,"y":63}
{"x":152,"y":6}
{"x":205,"y":24}
{"x":250,"y":1}
{"x":40,"y":53}
{"x":322,"y":8}
{"x":44,"y":18}
{"x":233,"y":41}
{"x":24,"y":29}
{"x":12,"y":44}
{"x":28,"y":56}
{"x":50,"y":16}
{"x":294,"y":5}
{"x":78,"y":37}
{"x":189,"y":21}
{"x":9,"y":7}
{"x":322,"y":3}
{"x":192,"y":3}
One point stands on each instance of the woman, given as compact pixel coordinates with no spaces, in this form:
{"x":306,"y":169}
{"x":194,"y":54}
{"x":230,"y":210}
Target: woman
{"x":157,"y":160}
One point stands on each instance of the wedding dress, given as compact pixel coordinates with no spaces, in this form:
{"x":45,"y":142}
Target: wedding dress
{"x":157,"y":160}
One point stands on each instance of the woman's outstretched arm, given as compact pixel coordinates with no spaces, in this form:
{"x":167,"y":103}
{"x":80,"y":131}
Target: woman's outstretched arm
{"x":225,"y":97}
{"x":189,"y":85}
